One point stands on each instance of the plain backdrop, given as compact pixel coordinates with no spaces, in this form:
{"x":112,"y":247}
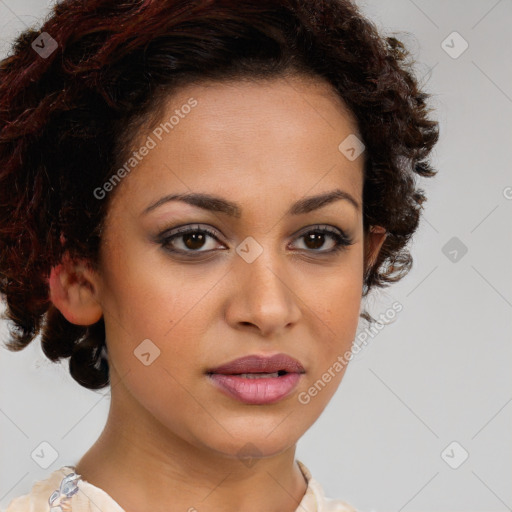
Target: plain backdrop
{"x":421,"y":421}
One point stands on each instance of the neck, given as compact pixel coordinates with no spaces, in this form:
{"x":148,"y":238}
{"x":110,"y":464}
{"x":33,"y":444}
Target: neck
{"x":145,"y":467}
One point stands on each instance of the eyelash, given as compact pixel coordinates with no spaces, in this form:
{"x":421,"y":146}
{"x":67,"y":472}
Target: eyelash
{"x":341,"y":239}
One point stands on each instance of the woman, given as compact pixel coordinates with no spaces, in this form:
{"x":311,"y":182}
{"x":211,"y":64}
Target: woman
{"x":195,"y":198}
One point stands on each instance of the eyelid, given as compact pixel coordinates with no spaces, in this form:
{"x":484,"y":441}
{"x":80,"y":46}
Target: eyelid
{"x":186,"y":228}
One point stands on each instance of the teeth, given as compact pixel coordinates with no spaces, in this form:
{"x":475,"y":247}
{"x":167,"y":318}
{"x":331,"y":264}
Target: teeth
{"x":259,"y":375}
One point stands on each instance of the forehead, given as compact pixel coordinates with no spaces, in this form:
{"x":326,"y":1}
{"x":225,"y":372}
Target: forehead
{"x":247,"y":133}
{"x":247,"y":102}
{"x":306,"y":104}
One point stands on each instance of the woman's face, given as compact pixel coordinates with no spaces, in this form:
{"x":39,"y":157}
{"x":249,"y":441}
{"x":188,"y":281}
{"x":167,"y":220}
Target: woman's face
{"x":264,"y":281}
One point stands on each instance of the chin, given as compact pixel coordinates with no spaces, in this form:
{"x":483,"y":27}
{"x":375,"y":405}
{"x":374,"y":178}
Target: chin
{"x":254,"y":440}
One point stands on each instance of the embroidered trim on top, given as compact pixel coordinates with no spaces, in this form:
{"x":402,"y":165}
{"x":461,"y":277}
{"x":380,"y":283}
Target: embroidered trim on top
{"x":60,"y":497}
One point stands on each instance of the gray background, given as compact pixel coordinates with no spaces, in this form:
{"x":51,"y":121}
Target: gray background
{"x":441,"y":373}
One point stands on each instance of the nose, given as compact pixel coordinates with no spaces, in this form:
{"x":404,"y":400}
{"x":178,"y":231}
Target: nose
{"x":263,"y":297}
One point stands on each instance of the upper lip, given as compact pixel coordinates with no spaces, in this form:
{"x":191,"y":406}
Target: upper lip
{"x":260,"y":364}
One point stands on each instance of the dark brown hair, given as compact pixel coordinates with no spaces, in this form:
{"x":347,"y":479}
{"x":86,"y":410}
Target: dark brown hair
{"x":67,"y":119}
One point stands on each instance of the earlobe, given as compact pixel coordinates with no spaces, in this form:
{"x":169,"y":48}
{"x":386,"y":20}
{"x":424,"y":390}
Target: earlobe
{"x":73,"y":290}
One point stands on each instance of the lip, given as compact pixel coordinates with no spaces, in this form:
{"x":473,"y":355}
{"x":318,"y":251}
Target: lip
{"x":260,"y":364}
{"x":229,"y":378}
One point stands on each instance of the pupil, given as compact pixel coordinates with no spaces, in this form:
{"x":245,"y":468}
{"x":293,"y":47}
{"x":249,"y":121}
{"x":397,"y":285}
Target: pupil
{"x":315,"y":237}
{"x":194,"y":238}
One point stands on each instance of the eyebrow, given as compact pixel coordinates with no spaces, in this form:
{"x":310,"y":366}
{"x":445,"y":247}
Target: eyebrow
{"x":219,"y":204}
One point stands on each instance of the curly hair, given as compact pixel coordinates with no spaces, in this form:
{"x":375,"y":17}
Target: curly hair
{"x":67,"y":119}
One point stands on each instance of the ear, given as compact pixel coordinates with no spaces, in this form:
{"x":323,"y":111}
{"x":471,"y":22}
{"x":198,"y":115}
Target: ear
{"x":74,"y":291}
{"x":373,"y":243}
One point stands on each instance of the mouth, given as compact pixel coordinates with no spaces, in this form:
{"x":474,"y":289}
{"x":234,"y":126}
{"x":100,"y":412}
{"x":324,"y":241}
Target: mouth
{"x":258,"y":380}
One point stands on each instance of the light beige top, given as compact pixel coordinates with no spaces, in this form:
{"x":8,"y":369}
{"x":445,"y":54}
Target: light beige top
{"x":65,"y":491}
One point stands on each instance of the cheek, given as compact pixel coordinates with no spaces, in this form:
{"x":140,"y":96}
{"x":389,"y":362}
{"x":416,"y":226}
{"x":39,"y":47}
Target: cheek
{"x":148,"y":293}
{"x":337,"y":308}
{"x":337,"y":302}
{"x":171,"y":309}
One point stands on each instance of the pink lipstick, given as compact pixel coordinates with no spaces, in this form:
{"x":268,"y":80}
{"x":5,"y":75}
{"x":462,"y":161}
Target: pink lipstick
{"x":258,"y":380}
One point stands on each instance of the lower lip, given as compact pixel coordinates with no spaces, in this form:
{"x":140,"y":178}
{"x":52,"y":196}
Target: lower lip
{"x":266,"y":390}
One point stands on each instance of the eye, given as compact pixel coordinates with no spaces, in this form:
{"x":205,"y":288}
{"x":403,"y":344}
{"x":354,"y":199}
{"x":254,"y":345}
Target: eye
{"x":192,"y":240}
{"x":188,"y":239}
{"x":315,"y":238}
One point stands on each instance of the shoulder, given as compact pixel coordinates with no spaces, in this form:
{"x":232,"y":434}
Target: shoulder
{"x":60,"y":492}
{"x":329,"y":504}
{"x":39,"y":497}
{"x":318,"y":500}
